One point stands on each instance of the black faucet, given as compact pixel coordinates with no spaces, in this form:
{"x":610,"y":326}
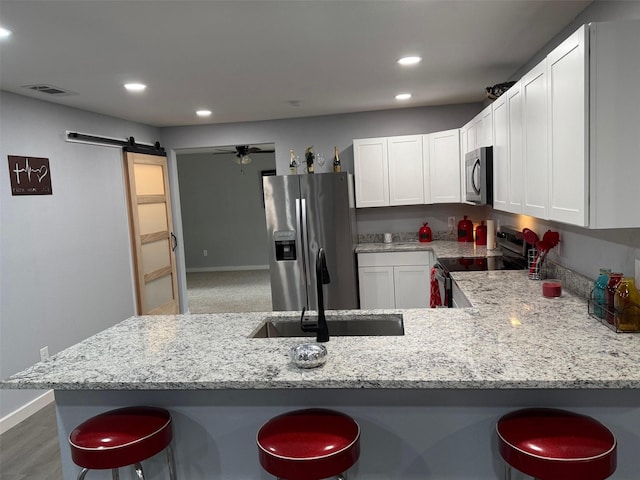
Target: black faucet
{"x":322,"y":278}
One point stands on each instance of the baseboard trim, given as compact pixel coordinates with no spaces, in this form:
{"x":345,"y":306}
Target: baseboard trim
{"x":227,"y":269}
{"x":24,"y":412}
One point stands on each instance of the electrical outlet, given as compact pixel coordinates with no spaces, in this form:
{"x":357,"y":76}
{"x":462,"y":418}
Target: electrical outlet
{"x":452,"y":222}
{"x":44,"y":353}
{"x":205,"y":253}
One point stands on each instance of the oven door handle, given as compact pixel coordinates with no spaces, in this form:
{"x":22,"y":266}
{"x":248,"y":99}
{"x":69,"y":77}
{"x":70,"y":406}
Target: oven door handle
{"x":444,"y":279}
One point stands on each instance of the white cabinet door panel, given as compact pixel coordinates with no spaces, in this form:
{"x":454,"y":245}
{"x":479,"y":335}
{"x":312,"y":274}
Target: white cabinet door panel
{"x":500,"y":154}
{"x":371,"y":166}
{"x":536,"y":192}
{"x":568,"y":173}
{"x":376,"y":287}
{"x":412,"y":286}
{"x":405,"y":170}
{"x":516,"y":152}
{"x":444,"y":166}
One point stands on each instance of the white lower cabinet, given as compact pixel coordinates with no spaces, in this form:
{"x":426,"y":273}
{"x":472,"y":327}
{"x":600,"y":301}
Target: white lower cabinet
{"x":394,"y":279}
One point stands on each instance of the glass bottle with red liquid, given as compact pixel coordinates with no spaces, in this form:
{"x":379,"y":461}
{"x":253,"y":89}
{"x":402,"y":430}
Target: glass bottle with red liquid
{"x":609,"y":295}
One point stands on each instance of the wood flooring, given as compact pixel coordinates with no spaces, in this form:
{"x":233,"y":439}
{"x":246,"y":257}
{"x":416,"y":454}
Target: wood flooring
{"x":30,"y":449}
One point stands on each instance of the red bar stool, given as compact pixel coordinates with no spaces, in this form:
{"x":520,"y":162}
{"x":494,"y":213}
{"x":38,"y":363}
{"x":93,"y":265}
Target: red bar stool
{"x":309,"y":444}
{"x":122,"y":437}
{"x":552,"y":444}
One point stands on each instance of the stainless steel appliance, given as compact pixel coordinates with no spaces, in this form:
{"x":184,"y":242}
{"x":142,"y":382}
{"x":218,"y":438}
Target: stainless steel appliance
{"x":304,"y":213}
{"x":478,"y":176}
{"x":514,"y":257}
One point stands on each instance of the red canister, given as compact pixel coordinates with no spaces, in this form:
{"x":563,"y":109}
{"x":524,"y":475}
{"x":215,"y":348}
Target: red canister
{"x":481,"y":234}
{"x":465,"y":230}
{"x":424,"y":234}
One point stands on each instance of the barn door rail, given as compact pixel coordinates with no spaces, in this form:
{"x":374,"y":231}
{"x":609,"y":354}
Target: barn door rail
{"x":127,"y":144}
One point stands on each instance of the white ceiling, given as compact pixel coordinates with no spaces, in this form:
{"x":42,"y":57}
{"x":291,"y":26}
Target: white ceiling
{"x":250,"y":60}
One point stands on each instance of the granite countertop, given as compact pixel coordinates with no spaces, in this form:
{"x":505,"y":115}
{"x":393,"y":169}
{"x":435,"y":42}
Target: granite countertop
{"x":511,"y":338}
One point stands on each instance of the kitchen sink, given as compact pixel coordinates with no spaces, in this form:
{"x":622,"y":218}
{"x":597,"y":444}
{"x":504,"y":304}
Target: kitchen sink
{"x":386,"y":324}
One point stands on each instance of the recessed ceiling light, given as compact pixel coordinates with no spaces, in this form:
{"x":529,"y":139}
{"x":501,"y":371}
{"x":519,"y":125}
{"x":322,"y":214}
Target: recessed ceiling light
{"x":5,"y":32}
{"x":135,"y":87}
{"x":403,"y":96}
{"x":409,"y":60}
{"x":203,"y":113}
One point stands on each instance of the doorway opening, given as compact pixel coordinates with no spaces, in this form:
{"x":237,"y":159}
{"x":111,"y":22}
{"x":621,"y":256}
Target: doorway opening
{"x":224,"y":227}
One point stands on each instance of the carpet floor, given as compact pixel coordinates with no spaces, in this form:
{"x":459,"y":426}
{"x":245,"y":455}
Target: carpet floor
{"x":229,"y":291}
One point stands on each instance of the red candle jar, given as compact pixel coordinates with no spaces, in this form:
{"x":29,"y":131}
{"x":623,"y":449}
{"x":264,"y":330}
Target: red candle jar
{"x":465,"y":230}
{"x":424,"y":234}
{"x":481,"y":234}
{"x":551,"y":288}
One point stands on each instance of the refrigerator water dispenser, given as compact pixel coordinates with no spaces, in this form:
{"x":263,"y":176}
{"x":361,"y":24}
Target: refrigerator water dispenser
{"x":285,"y":245}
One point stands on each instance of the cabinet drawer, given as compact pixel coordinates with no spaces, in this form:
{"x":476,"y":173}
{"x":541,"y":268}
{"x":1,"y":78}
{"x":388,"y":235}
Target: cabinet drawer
{"x":392,"y":259}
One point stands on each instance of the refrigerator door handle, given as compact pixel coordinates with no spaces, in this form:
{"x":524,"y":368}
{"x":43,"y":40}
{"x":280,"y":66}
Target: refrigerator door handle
{"x":306,"y":261}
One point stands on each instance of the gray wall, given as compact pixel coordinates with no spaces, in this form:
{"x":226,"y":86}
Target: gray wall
{"x":222,"y":211}
{"x":65,"y":258}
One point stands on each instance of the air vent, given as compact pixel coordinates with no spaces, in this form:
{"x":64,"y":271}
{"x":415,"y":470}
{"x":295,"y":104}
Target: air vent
{"x":49,"y":90}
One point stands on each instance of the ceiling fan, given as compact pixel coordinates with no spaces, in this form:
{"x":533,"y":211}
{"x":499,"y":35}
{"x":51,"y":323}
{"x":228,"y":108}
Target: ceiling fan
{"x":242,"y":153}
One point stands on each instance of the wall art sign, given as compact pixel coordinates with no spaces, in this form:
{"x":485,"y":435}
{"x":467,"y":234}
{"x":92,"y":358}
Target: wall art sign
{"x":29,"y":175}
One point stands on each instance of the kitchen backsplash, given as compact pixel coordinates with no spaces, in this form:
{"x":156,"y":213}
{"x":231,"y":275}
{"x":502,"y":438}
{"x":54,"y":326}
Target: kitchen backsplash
{"x":404,"y":236}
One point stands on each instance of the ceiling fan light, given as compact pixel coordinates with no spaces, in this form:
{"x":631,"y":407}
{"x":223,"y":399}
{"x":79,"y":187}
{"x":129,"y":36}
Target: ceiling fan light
{"x":242,"y":159}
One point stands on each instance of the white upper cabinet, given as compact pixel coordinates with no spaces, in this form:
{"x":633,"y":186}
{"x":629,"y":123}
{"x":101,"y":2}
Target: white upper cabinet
{"x":614,"y":124}
{"x":500,"y":154}
{"x":484,"y":128}
{"x":371,"y":165}
{"x":516,"y":148}
{"x":568,"y":130}
{"x":405,"y":170}
{"x":535,"y":141}
{"x":442,"y":160}
{"x":585,"y":170}
{"x":507,"y":151}
{"x":478,"y":132}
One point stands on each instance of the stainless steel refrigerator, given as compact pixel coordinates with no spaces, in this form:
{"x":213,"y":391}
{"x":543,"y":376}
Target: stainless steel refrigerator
{"x":304,"y":213}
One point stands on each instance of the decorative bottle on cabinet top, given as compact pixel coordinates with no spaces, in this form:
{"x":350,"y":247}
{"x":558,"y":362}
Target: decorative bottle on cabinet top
{"x":336,"y":161}
{"x":309,"y":156}
{"x":293,"y":165}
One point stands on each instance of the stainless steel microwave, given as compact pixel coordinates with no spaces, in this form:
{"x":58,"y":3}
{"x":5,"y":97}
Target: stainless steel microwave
{"x":478,"y":176}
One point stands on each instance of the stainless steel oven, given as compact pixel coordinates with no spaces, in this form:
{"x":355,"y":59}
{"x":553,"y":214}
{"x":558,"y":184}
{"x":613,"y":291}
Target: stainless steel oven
{"x":512,"y":257}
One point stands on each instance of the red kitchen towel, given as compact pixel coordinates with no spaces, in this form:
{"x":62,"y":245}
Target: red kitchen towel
{"x":435,"y":300}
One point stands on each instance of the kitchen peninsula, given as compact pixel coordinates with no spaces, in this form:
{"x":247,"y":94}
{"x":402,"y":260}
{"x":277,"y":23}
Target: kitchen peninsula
{"x":426,"y":402}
